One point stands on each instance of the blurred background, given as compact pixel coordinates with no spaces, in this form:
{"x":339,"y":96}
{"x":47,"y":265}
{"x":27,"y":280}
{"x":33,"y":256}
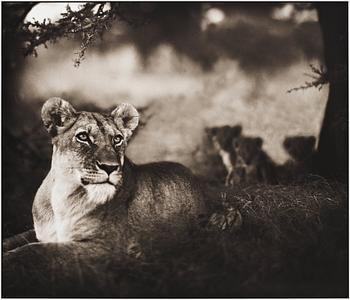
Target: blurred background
{"x":185,"y":66}
{"x":228,"y":65}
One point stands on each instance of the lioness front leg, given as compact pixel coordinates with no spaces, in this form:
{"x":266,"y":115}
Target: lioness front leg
{"x":19,"y":240}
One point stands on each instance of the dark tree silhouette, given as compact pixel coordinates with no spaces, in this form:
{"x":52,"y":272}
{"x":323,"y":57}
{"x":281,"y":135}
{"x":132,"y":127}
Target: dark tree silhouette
{"x":332,"y":156}
{"x":13,"y":15}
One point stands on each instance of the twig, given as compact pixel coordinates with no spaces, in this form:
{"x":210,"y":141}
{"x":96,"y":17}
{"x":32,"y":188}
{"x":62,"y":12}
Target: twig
{"x":319,"y":76}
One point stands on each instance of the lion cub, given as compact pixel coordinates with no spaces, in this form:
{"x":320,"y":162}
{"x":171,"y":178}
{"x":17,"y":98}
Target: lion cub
{"x":252,"y":163}
{"x":222,"y":139}
{"x":302,"y":154}
{"x":242,"y":156}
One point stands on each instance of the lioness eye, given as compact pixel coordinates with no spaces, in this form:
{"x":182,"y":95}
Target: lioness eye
{"x":117,"y":140}
{"x":82,"y":137}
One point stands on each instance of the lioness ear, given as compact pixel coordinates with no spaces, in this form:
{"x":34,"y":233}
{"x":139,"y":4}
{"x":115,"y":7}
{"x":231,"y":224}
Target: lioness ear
{"x":57,"y":114}
{"x":126,"y":117}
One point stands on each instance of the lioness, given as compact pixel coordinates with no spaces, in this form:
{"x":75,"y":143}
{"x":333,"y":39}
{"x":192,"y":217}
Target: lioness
{"x":94,"y":199}
{"x":92,"y":185}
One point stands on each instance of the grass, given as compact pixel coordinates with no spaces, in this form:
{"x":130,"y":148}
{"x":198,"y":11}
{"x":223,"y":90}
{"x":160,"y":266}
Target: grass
{"x":293,"y":240}
{"x":292,"y":243}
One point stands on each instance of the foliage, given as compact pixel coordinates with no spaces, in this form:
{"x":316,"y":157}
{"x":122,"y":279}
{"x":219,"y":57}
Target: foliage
{"x":89,"y":23}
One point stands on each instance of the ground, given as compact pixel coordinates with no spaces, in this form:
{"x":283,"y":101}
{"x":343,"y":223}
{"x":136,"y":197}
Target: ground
{"x":293,"y":240}
{"x":292,"y":243}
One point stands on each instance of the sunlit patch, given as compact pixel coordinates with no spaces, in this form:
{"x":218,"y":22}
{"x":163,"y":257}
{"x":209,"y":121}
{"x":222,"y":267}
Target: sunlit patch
{"x":283,"y":13}
{"x":107,"y":6}
{"x":288,"y":12}
{"x":306,"y":16}
{"x":212,"y":16}
{"x":215,"y":15}
{"x":50,"y":11}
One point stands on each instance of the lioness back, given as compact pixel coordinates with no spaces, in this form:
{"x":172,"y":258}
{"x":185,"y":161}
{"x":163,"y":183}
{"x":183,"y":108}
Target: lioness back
{"x":167,"y":197}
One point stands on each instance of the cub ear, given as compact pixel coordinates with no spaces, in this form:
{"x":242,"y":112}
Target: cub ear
{"x":211,"y":131}
{"x":259,"y":142}
{"x":126,"y":117}
{"x":57,"y":114}
{"x":236,"y":130}
{"x":311,"y":142}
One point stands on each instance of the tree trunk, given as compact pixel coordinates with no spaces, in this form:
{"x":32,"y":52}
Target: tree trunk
{"x":332,"y":152}
{"x":13,"y":15}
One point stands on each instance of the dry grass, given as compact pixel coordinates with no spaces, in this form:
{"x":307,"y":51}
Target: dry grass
{"x":293,"y":242}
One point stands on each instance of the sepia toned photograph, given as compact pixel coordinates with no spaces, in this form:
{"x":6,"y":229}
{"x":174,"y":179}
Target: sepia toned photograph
{"x":175,"y":150}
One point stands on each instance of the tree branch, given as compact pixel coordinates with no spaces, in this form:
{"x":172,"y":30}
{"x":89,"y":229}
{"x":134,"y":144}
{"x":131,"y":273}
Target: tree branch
{"x":89,"y":22}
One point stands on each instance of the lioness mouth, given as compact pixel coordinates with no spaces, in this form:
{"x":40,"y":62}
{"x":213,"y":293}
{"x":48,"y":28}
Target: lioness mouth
{"x":84,"y":182}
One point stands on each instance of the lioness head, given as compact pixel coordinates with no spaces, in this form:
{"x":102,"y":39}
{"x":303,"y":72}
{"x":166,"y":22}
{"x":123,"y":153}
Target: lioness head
{"x":89,"y":147}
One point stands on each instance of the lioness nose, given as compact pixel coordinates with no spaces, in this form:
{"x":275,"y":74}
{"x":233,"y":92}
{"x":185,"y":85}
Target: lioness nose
{"x":107,"y":167}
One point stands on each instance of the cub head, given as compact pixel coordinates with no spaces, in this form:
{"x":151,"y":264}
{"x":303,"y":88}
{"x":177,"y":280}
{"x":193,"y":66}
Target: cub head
{"x":223,"y":136}
{"x":300,"y":148}
{"x":89,"y":147}
{"x":247,"y":148}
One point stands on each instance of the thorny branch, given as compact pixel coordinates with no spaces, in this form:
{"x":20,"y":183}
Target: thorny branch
{"x":320,"y":78}
{"x":89,"y":22}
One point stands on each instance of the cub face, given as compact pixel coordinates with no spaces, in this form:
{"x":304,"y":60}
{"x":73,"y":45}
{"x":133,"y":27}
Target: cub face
{"x":223,"y":136}
{"x":247,"y":148}
{"x":300,"y":148}
{"x":89,"y":148}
